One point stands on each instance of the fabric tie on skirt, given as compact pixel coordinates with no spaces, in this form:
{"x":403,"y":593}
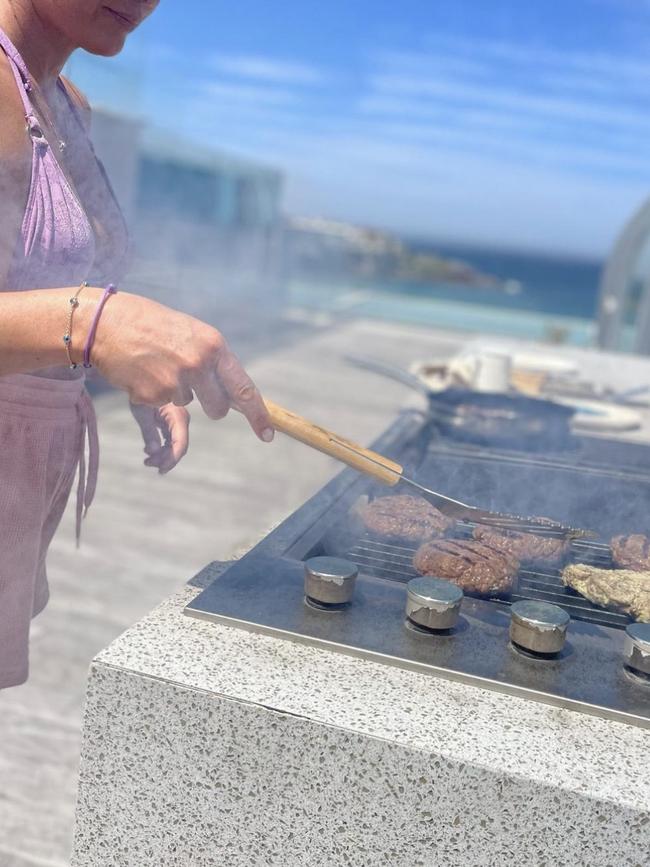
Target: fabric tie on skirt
{"x":87,"y":484}
{"x":44,"y":425}
{"x":52,"y":400}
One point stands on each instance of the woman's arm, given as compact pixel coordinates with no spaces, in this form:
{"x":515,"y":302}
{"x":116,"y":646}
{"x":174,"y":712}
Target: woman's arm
{"x":156,"y":354}
{"x":32,"y":325}
{"x":15,"y":167}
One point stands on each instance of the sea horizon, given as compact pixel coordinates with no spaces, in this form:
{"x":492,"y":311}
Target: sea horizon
{"x":543,"y":282}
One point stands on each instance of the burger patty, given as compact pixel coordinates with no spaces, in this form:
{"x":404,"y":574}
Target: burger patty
{"x":526,"y":547}
{"x":624,"y":590}
{"x":631,"y":552}
{"x":471,"y":565}
{"x":405,"y":519}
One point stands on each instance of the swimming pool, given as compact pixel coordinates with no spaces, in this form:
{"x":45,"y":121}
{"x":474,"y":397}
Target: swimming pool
{"x":455,"y":315}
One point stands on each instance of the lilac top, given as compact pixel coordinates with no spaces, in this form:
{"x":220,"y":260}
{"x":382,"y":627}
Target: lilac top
{"x":63,"y":242}
{"x":57,"y":245}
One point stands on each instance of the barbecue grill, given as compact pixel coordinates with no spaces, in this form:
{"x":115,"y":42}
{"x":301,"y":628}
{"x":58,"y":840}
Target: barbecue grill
{"x":597,"y":484}
{"x":392,"y":562}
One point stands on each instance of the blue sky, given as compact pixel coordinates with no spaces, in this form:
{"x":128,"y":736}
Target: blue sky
{"x":500,"y":122}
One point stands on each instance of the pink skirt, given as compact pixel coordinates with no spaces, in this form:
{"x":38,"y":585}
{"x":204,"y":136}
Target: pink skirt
{"x":43,"y":427}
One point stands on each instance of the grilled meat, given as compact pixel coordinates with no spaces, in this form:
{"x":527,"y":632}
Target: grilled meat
{"x":622,"y":589}
{"x":631,"y":552}
{"x":403,"y":518}
{"x":473,"y":566}
{"x":528,"y":548}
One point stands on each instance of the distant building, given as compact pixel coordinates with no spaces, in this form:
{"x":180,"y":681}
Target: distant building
{"x":204,"y":186}
{"x":117,"y":142}
{"x":204,"y":223}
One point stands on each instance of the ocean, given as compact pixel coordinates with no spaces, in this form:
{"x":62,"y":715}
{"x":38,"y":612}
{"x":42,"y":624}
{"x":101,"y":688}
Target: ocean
{"x":549,"y":284}
{"x":556,"y":298}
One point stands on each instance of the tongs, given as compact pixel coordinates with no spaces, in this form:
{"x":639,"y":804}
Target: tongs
{"x":391,"y":473}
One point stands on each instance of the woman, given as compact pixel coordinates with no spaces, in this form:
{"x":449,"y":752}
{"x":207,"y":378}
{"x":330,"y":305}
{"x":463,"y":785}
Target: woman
{"x":60,"y":226}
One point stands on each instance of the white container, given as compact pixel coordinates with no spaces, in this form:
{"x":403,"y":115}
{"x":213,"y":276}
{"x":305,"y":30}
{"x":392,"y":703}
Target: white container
{"x":492,"y":372}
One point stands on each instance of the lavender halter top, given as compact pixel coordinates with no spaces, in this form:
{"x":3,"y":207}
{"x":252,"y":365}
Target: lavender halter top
{"x":57,"y":243}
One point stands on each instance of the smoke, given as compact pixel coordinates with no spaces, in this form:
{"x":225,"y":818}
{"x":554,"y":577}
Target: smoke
{"x":576,"y":487}
{"x":206,"y":228}
{"x":564,"y":489}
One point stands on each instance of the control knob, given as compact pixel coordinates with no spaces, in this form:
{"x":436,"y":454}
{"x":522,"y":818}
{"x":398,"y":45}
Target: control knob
{"x":637,"y":648}
{"x":433,"y":604}
{"x":538,"y":627}
{"x":330,"y":581}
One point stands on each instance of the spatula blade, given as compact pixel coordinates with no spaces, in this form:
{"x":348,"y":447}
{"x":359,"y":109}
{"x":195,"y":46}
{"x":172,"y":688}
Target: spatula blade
{"x":462,"y":512}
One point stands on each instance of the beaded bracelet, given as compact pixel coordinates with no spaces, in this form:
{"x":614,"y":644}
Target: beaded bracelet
{"x":67,"y":337}
{"x":110,"y":290}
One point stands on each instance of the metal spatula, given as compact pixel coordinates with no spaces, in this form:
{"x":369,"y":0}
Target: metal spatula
{"x":391,"y":473}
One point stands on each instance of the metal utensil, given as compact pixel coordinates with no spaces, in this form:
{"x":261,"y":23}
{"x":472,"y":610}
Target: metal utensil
{"x":391,"y":371}
{"x":391,"y":473}
{"x":513,"y":420}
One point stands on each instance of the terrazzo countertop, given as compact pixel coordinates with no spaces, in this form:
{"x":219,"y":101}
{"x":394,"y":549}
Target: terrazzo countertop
{"x":209,"y":746}
{"x":206,"y":745}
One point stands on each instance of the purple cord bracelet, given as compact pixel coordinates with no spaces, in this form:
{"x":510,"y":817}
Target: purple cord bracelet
{"x":110,"y":290}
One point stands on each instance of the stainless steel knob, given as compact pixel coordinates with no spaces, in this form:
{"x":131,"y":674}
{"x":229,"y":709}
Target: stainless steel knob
{"x":636,"y":649}
{"x":538,"y":626}
{"x":330,"y":580}
{"x":432,"y":603}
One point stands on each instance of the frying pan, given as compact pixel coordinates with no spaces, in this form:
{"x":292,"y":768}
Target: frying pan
{"x":512,"y":421}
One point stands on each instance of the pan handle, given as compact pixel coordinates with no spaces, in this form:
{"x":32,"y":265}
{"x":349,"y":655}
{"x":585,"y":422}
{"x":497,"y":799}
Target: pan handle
{"x":391,"y":371}
{"x":361,"y":459}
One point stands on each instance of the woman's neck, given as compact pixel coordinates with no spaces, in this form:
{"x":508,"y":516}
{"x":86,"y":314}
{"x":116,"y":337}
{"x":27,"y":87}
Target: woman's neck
{"x":43,"y":48}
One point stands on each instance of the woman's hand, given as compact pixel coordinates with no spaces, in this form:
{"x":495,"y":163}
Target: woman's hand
{"x":161,"y":356}
{"x":165,"y":432}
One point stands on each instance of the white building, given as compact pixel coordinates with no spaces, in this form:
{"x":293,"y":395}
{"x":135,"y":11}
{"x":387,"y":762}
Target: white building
{"x":206,"y":225}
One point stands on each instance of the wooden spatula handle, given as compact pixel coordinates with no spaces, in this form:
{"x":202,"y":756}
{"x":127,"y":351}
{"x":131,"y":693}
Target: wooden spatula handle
{"x":364,"y":460}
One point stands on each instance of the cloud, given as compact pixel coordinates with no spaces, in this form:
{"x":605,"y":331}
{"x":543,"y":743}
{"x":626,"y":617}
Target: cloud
{"x":222,"y":92}
{"x":506,"y":99}
{"x":474,"y":137}
{"x":445,"y":61}
{"x":252,"y":89}
{"x":533,"y":55}
{"x":585,"y":83}
{"x":454,"y":195}
{"x":268,"y":69}
{"x":578,"y":111}
{"x":471,"y":138}
{"x":527,"y":152}
{"x":508,"y":128}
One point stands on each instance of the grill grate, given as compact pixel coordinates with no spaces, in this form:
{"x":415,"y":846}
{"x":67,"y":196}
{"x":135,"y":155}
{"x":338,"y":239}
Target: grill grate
{"x":395,"y":563}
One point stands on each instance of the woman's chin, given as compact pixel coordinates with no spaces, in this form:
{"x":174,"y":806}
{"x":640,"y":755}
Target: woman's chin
{"x":105,"y":46}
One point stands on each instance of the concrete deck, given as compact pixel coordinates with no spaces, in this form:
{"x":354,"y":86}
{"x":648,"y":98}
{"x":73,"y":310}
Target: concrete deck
{"x":146,"y":535}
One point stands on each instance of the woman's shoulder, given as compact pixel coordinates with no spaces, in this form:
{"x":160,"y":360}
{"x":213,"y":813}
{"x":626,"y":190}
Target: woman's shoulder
{"x":15,"y":162}
{"x":14,"y":141}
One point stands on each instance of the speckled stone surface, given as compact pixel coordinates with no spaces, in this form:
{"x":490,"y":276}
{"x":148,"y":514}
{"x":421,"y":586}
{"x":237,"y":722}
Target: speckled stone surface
{"x":208,"y":745}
